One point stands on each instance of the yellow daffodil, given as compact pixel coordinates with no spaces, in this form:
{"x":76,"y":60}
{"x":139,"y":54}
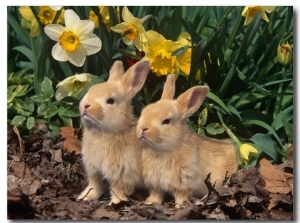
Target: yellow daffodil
{"x":184,"y":59}
{"x":251,"y":11}
{"x":104,"y":11}
{"x":46,"y":15}
{"x":27,"y":14}
{"x":284,"y":54}
{"x":132,"y":29}
{"x":75,"y":41}
{"x":74,"y":85}
{"x":246,"y":151}
{"x":159,"y":51}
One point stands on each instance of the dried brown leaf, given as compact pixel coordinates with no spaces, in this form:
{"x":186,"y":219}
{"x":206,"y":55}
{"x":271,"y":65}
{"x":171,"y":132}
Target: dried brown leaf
{"x":274,"y":178}
{"x":71,"y":142}
{"x":102,"y":213}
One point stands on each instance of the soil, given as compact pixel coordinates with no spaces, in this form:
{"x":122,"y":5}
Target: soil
{"x":45,"y":175}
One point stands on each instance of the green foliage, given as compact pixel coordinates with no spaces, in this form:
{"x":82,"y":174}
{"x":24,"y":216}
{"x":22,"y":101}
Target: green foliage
{"x":250,"y":91}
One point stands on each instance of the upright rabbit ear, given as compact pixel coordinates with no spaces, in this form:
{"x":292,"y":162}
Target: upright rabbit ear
{"x":116,"y":71}
{"x":134,"y":78}
{"x":169,"y":88}
{"x":190,"y":101}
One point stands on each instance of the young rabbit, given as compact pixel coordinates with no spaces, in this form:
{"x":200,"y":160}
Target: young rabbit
{"x":175,"y":159}
{"x":110,"y":148}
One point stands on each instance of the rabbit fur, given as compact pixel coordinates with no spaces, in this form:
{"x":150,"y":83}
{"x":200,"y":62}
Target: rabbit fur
{"x":175,"y":159}
{"x":110,"y":148}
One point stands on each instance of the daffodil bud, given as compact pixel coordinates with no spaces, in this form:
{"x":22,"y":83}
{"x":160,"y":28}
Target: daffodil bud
{"x":284,"y":54}
{"x":246,"y":151}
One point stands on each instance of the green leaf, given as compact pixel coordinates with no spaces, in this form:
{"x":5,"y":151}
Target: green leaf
{"x":40,"y":98}
{"x":266,"y":144}
{"x":64,"y":111}
{"x":19,"y":30}
{"x":216,"y":99}
{"x":288,"y":127}
{"x":18,"y":120}
{"x":286,"y":114}
{"x":203,"y":117}
{"x":25,"y":51}
{"x":30,"y":122}
{"x":50,"y":111}
{"x":266,"y":126}
{"x":215,"y":129}
{"x":46,"y":87}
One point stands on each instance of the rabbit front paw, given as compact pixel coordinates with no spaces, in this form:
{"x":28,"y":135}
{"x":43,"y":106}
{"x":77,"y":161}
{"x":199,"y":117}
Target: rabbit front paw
{"x":155,"y":197}
{"x":89,"y":193}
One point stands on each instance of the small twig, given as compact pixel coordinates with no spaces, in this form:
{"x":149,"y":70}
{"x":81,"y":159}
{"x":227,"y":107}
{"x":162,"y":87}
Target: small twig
{"x":86,"y":194}
{"x":22,"y":148}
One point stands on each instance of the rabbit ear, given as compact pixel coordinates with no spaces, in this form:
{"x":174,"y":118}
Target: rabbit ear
{"x":189,"y":101}
{"x":169,"y":88}
{"x":116,"y":71}
{"x":134,"y":78}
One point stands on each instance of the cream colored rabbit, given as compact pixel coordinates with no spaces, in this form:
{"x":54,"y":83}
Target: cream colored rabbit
{"x":176,"y":159}
{"x":110,"y":148}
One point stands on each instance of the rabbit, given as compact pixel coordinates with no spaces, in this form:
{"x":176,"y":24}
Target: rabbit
{"x":175,"y":159}
{"x":110,"y":148}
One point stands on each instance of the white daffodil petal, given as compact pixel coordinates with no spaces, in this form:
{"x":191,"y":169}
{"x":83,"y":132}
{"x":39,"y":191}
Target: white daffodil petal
{"x":72,"y":20}
{"x":59,"y":53}
{"x":66,"y":80}
{"x":55,"y":7}
{"x":127,"y":41}
{"x":54,"y":31}
{"x":85,"y":28}
{"x":61,"y":92}
{"x":92,"y":44}
{"x":145,"y":18}
{"x":119,"y":28}
{"x":77,"y":57}
{"x":126,"y":14}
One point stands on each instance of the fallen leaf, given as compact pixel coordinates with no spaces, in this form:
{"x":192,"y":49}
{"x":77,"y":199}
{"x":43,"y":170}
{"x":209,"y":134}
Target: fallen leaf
{"x":281,"y":215}
{"x":102,"y":213}
{"x":274,"y":178}
{"x":71,"y":142}
{"x":276,"y":199}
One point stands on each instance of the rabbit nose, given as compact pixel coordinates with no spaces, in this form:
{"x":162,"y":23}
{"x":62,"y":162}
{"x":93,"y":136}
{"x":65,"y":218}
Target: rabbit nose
{"x":86,"y":106}
{"x":144,"y":129}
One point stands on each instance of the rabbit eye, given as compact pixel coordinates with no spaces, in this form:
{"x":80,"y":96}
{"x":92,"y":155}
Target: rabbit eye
{"x":110,"y":101}
{"x":166,"y":121}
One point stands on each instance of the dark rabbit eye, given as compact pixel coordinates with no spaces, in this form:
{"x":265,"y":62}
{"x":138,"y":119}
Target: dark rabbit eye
{"x":166,"y":121}
{"x":110,"y":101}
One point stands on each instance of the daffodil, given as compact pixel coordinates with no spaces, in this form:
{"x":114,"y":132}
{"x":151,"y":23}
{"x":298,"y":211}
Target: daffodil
{"x":46,"y":15}
{"x":159,"y":51}
{"x":132,"y":29}
{"x":246,"y":151}
{"x":284,"y":54}
{"x":184,"y":59}
{"x":251,"y":11}
{"x":104,"y":11}
{"x":75,"y":41}
{"x":74,"y":85}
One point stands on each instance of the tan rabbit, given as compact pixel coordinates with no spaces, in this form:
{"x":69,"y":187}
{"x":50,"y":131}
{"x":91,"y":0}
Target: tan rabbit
{"x":110,"y":148}
{"x":176,"y":159}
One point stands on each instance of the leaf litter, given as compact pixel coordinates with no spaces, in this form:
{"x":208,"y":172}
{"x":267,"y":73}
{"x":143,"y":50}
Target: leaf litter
{"x":45,"y":175}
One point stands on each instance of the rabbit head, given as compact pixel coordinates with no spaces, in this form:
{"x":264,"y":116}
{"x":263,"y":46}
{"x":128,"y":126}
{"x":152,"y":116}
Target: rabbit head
{"x":162,"y":124}
{"x":107,"y":106}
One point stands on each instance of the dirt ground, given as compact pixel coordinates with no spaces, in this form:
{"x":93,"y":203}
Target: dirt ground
{"x":45,"y":175}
